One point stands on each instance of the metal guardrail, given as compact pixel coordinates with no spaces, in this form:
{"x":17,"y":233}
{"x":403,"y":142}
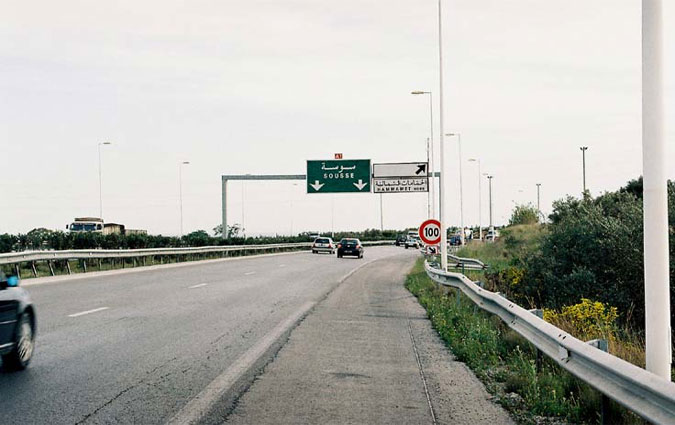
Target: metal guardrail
{"x":467,"y":261}
{"x":646,"y":394}
{"x":32,"y":257}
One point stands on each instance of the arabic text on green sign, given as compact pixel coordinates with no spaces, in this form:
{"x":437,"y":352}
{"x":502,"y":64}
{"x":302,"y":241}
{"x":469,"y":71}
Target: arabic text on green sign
{"x":338,"y":176}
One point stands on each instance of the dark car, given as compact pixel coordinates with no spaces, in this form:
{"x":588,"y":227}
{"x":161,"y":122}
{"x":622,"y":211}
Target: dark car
{"x":350,"y":246}
{"x":455,"y":240}
{"x":400,"y":240}
{"x":17,"y":324}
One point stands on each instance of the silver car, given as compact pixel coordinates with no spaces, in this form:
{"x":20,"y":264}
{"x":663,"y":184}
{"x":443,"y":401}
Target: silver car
{"x":323,"y":244}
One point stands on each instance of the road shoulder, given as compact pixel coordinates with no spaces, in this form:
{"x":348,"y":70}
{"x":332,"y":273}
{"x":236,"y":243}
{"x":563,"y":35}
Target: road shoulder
{"x":367,"y":354}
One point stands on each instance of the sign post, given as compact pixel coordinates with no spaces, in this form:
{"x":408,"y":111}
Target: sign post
{"x":338,"y":176}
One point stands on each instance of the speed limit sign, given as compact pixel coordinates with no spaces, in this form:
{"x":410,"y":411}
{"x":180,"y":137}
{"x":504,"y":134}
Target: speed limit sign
{"x":430,"y":232}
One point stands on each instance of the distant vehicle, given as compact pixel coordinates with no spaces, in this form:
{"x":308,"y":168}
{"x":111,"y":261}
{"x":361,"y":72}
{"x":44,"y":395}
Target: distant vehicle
{"x":86,"y":224}
{"x":412,"y":242}
{"x":17,"y":324}
{"x":323,"y":245}
{"x":492,"y":235}
{"x":350,"y":246}
{"x":313,"y":236}
{"x":95,"y":224}
{"x":455,"y":240}
{"x":400,"y":240}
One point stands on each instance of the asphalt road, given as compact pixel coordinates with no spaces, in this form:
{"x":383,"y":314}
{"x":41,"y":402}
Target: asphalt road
{"x":367,"y":355}
{"x":142,"y":347}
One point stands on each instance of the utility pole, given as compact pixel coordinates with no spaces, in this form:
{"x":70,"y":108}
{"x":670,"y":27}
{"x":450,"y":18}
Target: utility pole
{"x":583,"y":161}
{"x":655,"y":195}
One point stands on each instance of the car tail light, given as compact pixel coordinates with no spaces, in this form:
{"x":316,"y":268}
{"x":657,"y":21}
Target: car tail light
{"x":330,"y":245}
{"x":358,"y":246}
{"x":339,"y":245}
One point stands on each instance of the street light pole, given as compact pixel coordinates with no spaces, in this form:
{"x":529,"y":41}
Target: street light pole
{"x":655,"y":196}
{"x":100,"y":181}
{"x":583,"y":159}
{"x":431,"y":200}
{"x":461,"y":196}
{"x":480,"y":215}
{"x":538,"y":208}
{"x":441,"y":186}
{"x":180,"y":193}
{"x":492,"y":229}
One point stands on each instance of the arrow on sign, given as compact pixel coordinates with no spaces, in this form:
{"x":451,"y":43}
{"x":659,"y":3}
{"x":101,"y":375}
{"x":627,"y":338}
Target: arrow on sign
{"x":316,"y":185}
{"x":360,"y":185}
{"x":421,"y":169}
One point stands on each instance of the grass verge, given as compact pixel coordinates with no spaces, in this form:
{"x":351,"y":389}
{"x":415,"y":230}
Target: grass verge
{"x":534,"y":392}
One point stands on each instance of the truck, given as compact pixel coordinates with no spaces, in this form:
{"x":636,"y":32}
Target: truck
{"x":96,"y":225}
{"x":86,"y":224}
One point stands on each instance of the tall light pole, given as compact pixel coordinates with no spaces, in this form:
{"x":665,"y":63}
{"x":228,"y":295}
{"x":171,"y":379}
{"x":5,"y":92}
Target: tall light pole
{"x":538,"y":208}
{"x":100,"y":181}
{"x":461,"y":195}
{"x":655,"y":195}
{"x":492,"y":229}
{"x":480,"y":215}
{"x":180,"y":193}
{"x":441,"y":186}
{"x":431,"y":201}
{"x":583,"y":162}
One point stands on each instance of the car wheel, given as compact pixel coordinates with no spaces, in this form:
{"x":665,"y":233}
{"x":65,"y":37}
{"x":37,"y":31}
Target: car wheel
{"x":313,"y":252}
{"x":22,"y":352}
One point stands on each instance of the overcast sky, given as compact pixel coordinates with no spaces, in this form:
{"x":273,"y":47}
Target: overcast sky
{"x":259,"y":87}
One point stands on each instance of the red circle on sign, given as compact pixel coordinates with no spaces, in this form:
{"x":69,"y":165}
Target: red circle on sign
{"x":430,"y":232}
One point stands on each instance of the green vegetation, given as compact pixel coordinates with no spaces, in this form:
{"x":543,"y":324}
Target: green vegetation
{"x":506,"y":363}
{"x":591,"y":249}
{"x":524,"y":214}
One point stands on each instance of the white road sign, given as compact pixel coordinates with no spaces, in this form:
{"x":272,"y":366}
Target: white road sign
{"x":402,"y":177}
{"x":401,"y":169}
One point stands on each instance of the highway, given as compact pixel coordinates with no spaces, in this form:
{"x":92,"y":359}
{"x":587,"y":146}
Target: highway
{"x":182,"y":344}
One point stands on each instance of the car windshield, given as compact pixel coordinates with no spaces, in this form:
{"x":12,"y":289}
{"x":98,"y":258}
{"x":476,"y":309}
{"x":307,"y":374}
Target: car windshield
{"x":322,"y":240}
{"x":349,"y":241}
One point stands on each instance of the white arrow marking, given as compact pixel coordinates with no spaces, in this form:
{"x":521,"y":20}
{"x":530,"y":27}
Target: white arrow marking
{"x":360,"y":185}
{"x":317,"y":185}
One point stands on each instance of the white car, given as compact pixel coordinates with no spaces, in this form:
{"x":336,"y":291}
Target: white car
{"x":322,"y":244}
{"x":412,"y":242}
{"x":492,"y":235}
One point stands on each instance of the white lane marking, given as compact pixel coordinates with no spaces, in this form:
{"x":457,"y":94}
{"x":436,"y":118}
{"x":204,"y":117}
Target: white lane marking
{"x":199,"y":406}
{"x":200,"y":285}
{"x":282,"y":265}
{"x":249,"y":273}
{"x":82,"y":313}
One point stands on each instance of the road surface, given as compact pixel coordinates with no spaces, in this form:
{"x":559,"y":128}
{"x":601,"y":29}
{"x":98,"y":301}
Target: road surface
{"x":184,"y":344}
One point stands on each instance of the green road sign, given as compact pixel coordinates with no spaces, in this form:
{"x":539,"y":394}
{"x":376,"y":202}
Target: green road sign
{"x":338,"y":176}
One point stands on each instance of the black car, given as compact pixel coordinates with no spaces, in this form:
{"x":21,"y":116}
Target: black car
{"x":400,"y":240}
{"x":17,"y":324}
{"x":350,"y":246}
